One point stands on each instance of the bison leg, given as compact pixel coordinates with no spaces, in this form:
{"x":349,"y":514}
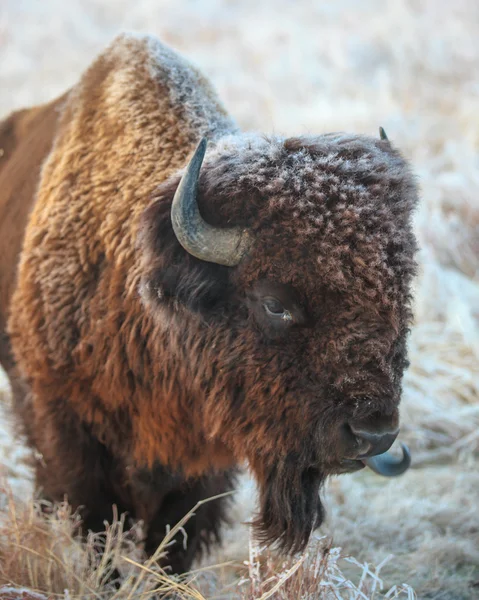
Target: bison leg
{"x":200,"y":530}
{"x":71,"y":462}
{"x":83,"y":470}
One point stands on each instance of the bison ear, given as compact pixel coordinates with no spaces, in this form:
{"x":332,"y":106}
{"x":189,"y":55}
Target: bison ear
{"x":170,"y":275}
{"x":201,"y":288}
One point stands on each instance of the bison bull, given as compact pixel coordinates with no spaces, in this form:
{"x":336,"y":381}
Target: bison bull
{"x":167,"y":324}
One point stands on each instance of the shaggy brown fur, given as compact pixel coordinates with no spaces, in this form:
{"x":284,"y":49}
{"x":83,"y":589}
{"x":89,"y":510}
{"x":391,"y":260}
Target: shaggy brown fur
{"x":25,"y":138}
{"x":150,"y":373}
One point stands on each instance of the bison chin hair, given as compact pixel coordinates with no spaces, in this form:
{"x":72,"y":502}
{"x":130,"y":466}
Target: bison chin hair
{"x":290,"y":507}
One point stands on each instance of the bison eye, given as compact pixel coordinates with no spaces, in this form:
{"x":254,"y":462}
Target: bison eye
{"x":273,"y":308}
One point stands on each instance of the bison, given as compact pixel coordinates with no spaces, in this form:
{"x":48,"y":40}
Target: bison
{"x":170,"y":311}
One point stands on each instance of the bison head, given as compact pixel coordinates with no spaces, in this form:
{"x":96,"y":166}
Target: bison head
{"x":281,"y":269}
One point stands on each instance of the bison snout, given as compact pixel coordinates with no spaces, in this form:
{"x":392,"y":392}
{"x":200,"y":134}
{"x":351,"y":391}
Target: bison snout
{"x":373,"y":443}
{"x":368,"y":437}
{"x":367,"y":445}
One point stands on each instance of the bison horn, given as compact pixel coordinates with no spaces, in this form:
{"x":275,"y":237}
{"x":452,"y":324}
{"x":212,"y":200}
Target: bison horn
{"x":224,"y":246}
{"x":382,"y":134}
{"x":388,"y":465}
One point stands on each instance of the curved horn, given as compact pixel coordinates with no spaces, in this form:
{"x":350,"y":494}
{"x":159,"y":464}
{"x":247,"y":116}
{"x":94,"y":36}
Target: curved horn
{"x":388,"y":465}
{"x":212,"y":244}
{"x":382,"y":134}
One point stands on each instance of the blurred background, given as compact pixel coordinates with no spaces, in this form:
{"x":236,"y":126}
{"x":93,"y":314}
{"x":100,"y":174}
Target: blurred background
{"x":313,"y":66}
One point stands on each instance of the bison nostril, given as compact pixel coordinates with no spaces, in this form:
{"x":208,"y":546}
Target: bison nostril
{"x":379,"y":442}
{"x":353,"y":445}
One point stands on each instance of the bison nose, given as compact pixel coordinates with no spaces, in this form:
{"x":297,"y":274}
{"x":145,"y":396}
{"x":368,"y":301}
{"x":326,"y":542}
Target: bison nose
{"x":372,"y":443}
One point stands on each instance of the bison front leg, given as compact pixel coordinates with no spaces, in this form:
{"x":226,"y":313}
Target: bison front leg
{"x":73,"y":464}
{"x":201,"y":529}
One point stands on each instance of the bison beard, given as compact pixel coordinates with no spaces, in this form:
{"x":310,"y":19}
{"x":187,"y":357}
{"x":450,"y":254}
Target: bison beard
{"x":148,"y":359}
{"x":290,"y":507}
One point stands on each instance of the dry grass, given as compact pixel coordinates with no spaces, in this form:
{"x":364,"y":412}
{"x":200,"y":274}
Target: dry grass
{"x":316,"y":575}
{"x":40,"y":551}
{"x":42,"y":557}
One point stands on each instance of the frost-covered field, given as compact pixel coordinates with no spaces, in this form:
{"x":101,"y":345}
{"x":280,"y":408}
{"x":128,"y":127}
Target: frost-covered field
{"x":310,"y":67}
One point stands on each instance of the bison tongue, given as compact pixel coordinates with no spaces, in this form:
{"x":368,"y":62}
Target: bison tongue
{"x":388,"y":465}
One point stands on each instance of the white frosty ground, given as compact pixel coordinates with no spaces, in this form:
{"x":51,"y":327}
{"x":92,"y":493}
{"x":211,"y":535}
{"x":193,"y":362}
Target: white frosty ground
{"x":312,"y":67}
